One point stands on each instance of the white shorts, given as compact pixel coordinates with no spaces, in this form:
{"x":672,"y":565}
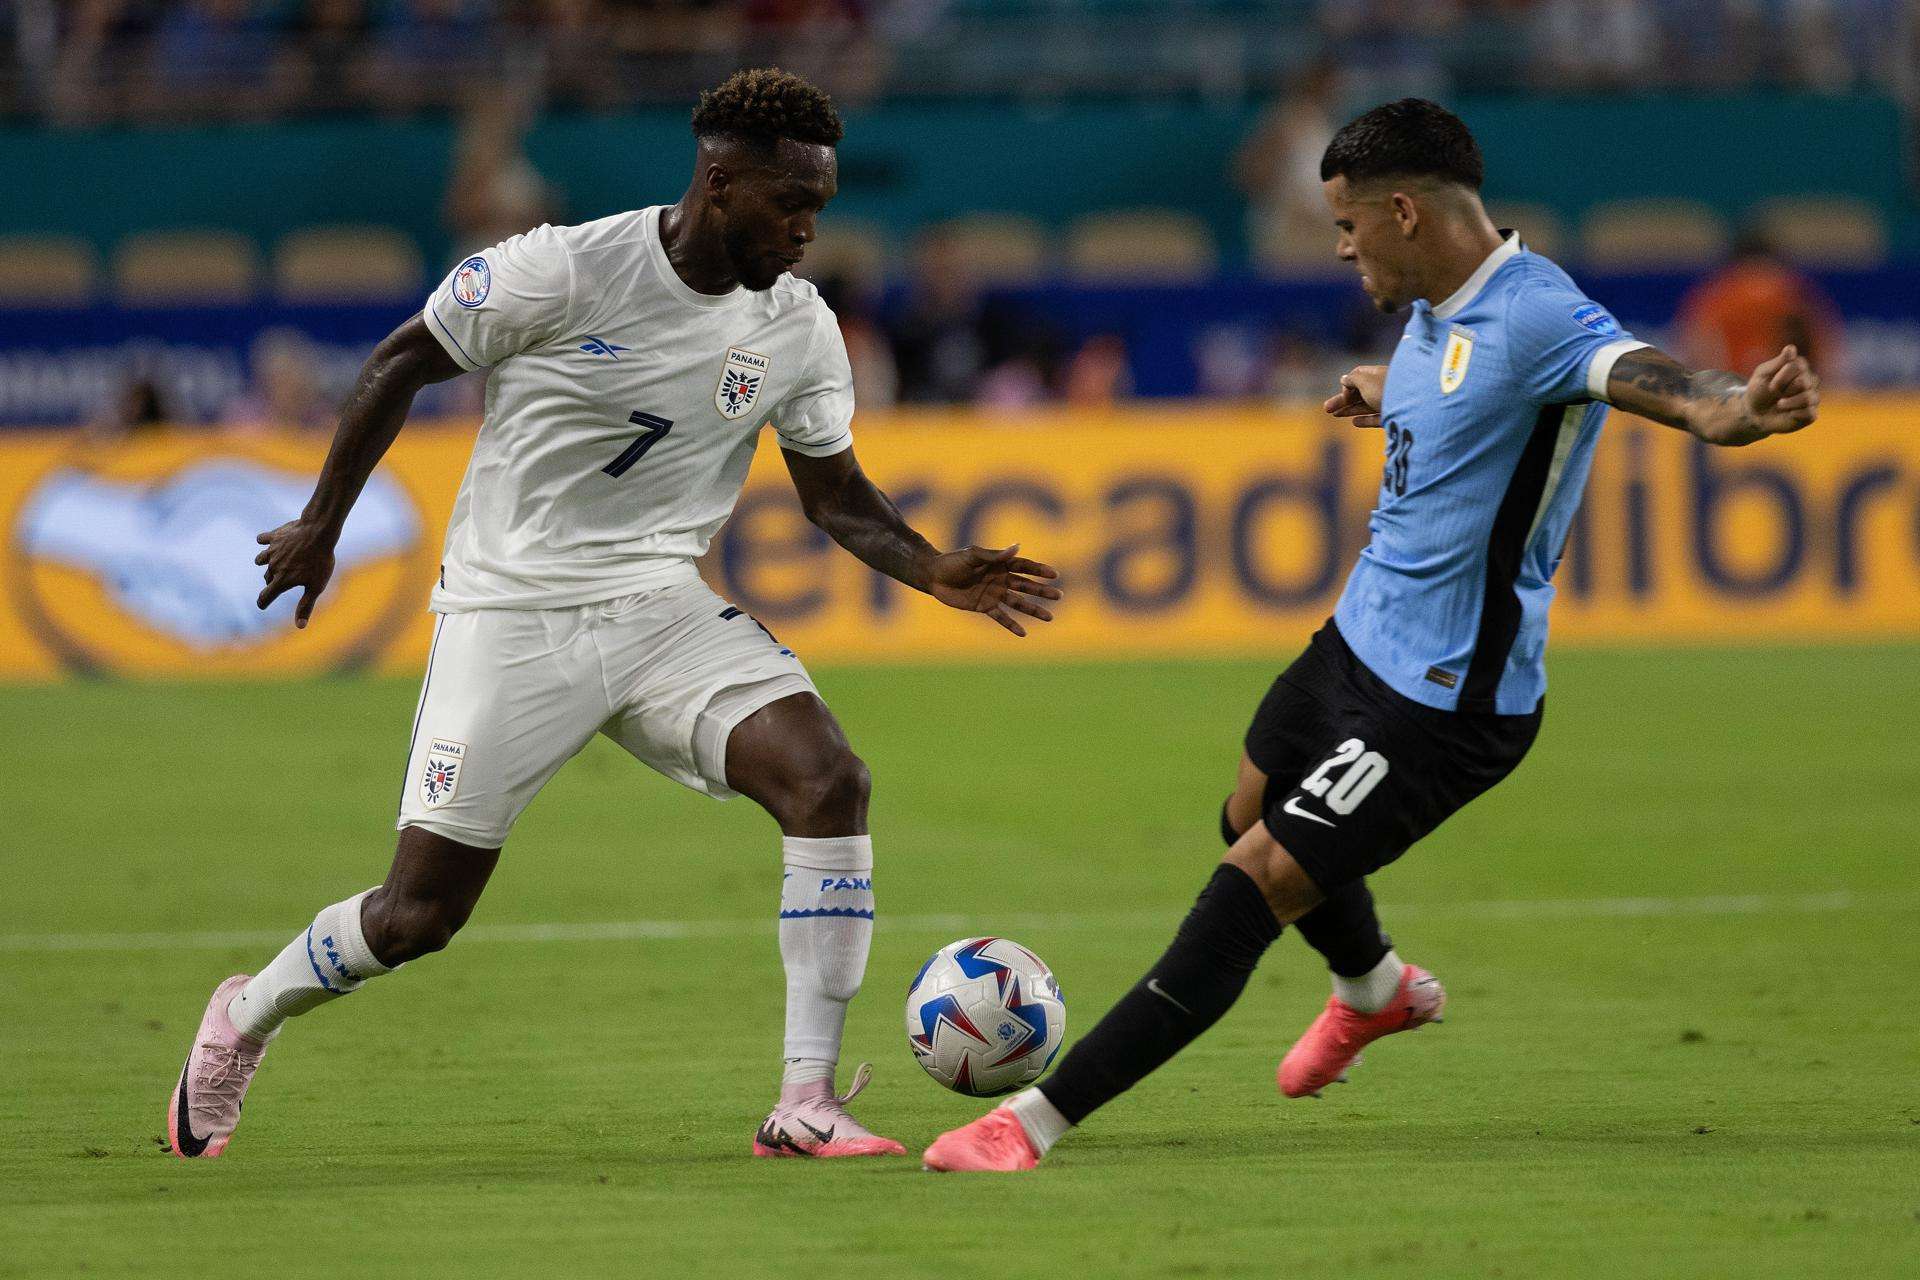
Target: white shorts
{"x":510,"y":695}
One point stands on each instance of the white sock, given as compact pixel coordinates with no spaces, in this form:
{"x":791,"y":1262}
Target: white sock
{"x":1373,"y":990}
{"x":1041,"y":1119}
{"x":326,"y":962}
{"x":826,"y":927}
{"x":806,"y":1076}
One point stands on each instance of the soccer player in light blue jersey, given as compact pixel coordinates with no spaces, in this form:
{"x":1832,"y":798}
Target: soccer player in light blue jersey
{"x":1426,"y":686}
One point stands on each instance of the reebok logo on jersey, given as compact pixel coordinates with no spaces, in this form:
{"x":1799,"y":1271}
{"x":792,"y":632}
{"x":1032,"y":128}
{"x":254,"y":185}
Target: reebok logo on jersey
{"x":601,"y":347}
{"x":741,"y":378}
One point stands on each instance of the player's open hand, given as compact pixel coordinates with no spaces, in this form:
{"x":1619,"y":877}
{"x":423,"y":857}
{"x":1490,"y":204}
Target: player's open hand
{"x":1361,"y":388}
{"x":298,"y":554}
{"x":999,"y":584}
{"x":1782,"y":395}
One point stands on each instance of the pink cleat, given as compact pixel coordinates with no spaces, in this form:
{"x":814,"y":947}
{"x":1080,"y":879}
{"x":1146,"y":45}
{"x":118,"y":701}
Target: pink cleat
{"x":995,"y":1143}
{"x":205,"y":1107}
{"x":1334,"y":1041}
{"x":814,"y":1122}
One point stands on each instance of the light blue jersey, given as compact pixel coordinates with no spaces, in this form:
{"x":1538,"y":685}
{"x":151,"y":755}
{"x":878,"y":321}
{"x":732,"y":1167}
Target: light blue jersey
{"x":1491,"y":413}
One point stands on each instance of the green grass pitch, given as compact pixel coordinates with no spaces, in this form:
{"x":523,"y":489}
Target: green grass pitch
{"x":1679,"y":944}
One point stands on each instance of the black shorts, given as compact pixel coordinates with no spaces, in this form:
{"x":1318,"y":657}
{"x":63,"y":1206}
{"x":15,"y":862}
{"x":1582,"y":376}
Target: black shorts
{"x":1357,"y":772}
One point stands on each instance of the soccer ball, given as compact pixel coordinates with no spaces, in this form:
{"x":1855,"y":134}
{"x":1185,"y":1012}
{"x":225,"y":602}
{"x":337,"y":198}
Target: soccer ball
{"x":984,"y":1016}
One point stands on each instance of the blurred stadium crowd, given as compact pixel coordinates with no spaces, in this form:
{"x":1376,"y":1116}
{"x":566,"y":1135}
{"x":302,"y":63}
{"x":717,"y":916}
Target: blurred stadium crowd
{"x":85,"y":60}
{"x":987,"y":305}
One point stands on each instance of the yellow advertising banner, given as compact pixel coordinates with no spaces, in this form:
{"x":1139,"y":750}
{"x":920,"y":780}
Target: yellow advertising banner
{"x":1193,"y":529}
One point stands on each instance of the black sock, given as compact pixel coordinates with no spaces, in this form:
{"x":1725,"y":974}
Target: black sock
{"x":1343,"y":928}
{"x":1186,"y":991}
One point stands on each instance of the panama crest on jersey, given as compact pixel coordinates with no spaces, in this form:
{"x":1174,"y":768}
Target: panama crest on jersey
{"x":445,"y":763}
{"x":1453,"y":362}
{"x":741,"y":378}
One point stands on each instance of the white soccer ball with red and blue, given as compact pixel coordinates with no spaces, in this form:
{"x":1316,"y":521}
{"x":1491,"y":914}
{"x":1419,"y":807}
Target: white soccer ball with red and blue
{"x":984,"y":1016}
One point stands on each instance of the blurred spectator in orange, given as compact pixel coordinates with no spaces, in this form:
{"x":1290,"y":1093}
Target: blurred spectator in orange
{"x":286,"y":394}
{"x":1099,"y":373}
{"x":494,"y":190}
{"x":1744,"y":312}
{"x":1278,"y":167}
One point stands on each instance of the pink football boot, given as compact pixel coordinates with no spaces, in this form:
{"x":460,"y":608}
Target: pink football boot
{"x":1334,"y":1041}
{"x":205,"y":1106}
{"x":995,"y":1143}
{"x":811,"y":1121}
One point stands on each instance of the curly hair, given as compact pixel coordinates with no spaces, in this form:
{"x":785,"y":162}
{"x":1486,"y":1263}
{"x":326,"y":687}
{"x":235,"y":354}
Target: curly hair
{"x":764,"y":105}
{"x":1408,"y":138}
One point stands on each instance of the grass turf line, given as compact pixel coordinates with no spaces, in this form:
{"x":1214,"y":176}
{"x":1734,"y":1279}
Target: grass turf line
{"x":1653,"y":1095}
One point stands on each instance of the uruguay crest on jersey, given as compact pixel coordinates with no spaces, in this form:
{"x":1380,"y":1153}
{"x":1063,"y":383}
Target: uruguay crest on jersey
{"x":1453,"y":363}
{"x":740,"y":381}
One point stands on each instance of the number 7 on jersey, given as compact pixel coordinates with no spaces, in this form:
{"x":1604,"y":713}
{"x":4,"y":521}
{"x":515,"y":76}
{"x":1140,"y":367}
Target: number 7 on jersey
{"x":656,"y":431}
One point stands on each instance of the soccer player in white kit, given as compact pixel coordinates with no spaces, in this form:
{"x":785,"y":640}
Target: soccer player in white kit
{"x":634,"y":361}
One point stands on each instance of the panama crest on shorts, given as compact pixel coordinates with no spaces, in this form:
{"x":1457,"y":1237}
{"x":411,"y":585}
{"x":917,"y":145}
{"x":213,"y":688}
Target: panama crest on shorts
{"x":445,"y":761}
{"x":741,"y":378}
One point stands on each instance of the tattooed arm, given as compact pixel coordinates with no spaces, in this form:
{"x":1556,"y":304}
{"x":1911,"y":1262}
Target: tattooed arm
{"x":1721,"y":408}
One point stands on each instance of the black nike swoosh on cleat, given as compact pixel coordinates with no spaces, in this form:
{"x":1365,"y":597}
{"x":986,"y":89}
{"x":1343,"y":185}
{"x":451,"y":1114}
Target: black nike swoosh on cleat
{"x":186,"y":1144}
{"x":777,"y":1140}
{"x":824,"y":1137}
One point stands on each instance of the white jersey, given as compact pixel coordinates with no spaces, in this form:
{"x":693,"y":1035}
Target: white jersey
{"x":622,"y":411}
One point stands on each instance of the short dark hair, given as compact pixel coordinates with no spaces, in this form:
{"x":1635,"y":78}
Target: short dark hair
{"x":1409,"y":138}
{"x":764,"y":105}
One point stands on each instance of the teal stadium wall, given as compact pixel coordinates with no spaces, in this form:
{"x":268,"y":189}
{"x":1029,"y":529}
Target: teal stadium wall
{"x":906,"y":165}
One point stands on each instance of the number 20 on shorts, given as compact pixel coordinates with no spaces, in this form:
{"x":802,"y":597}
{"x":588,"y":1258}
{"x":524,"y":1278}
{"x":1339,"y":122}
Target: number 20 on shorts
{"x":1364,"y":770}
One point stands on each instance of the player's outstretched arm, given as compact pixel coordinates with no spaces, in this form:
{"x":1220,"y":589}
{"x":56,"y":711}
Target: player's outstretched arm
{"x":300,"y":552}
{"x":1361,"y":390}
{"x":1721,"y":408}
{"x":838,"y":497}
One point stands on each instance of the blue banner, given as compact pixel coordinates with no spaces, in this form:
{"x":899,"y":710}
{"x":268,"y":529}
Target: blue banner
{"x":61,"y":366}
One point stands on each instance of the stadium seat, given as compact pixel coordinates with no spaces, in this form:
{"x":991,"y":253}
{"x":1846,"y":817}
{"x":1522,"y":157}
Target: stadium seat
{"x":1159,"y":245}
{"x":158,"y":268}
{"x":1824,"y":231}
{"x":345,"y":263}
{"x":40,"y":271}
{"x":854,"y":251}
{"x":1652,"y":235}
{"x":998,"y":248}
{"x":1539,"y":226}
